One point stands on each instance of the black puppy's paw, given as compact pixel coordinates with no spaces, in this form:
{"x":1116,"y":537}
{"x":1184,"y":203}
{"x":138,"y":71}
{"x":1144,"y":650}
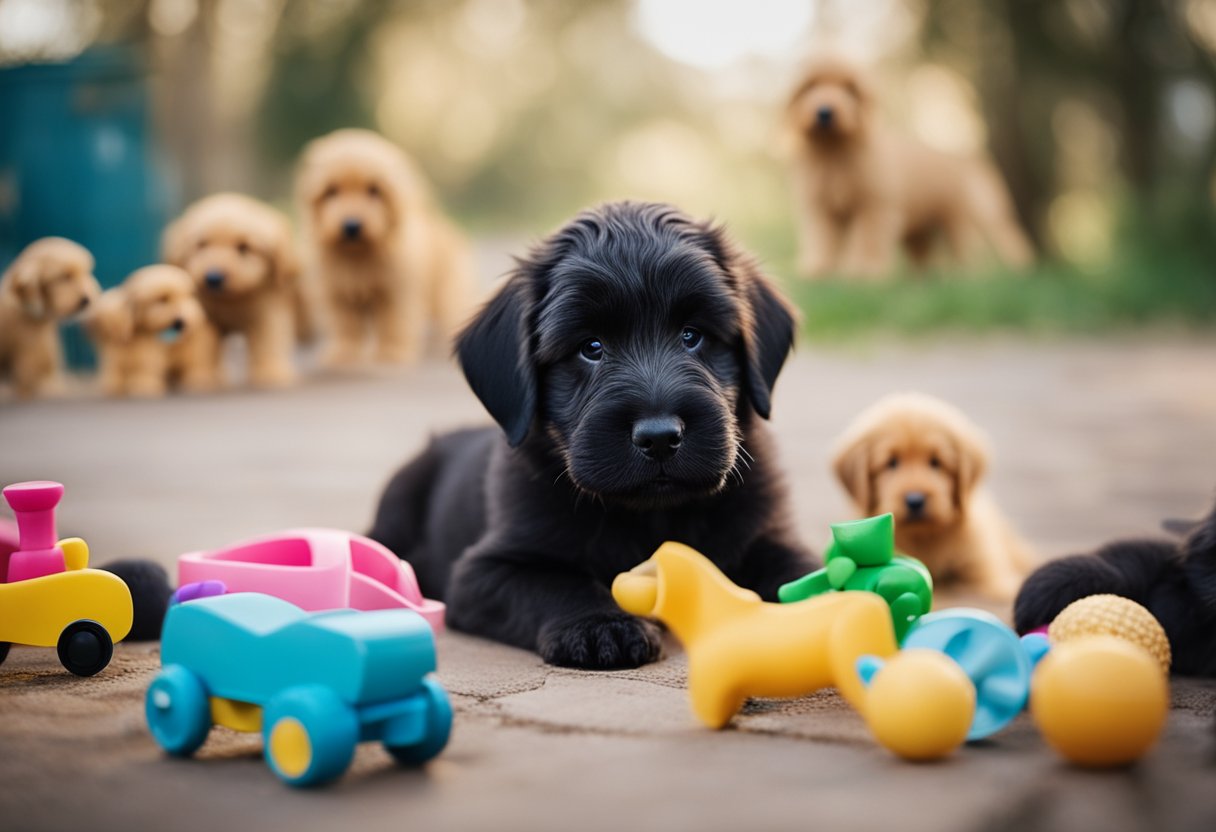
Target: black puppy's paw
{"x":599,"y":641}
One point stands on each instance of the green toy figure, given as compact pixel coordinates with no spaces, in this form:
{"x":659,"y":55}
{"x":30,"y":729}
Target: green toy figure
{"x":862,"y":557}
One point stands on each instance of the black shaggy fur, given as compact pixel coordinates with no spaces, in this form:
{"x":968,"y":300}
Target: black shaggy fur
{"x":150,"y":592}
{"x":1176,"y":581}
{"x":523,"y":533}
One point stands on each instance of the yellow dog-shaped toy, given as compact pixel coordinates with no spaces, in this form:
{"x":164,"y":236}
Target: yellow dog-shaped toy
{"x":919,"y":704}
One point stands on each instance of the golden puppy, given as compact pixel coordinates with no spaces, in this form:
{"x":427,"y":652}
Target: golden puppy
{"x":388,"y":262}
{"x":240,"y":254}
{"x":865,"y":191}
{"x":922,"y":460}
{"x":151,"y":333}
{"x":51,"y":280}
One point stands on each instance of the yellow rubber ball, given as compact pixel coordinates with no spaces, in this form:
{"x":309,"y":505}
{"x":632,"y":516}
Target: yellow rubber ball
{"x":1099,"y":700}
{"x":1112,"y":615}
{"x":920,"y":705}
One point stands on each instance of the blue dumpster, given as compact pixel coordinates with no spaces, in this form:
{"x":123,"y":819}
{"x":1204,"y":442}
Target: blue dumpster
{"x":78,"y":160}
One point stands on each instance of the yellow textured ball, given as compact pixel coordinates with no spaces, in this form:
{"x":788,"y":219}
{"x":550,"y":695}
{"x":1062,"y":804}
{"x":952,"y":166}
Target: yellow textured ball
{"x":920,"y":705}
{"x":1115,"y":616}
{"x":1099,"y":700}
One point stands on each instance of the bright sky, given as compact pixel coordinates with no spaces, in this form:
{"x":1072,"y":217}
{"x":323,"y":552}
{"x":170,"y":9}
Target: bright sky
{"x":713,"y":34}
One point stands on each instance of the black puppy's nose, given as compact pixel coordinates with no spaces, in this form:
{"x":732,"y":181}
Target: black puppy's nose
{"x":658,"y":437}
{"x":351,"y":229}
{"x":83,"y":305}
{"x":824,"y":116}
{"x":214,"y":279}
{"x":178,"y":324}
{"x":915,"y":501}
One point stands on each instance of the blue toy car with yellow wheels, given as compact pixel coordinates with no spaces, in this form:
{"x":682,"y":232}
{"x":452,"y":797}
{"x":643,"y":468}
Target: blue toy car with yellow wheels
{"x":314,"y":684}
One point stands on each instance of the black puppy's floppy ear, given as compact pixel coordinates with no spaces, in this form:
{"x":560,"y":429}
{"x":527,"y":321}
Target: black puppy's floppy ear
{"x":770,"y":339}
{"x":496,"y":356}
{"x":769,"y":322}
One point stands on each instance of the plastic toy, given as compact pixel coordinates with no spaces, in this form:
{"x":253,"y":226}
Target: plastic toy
{"x":862,"y":557}
{"x":48,"y":596}
{"x":1115,"y":616}
{"x":992,"y":656}
{"x":738,"y":647}
{"x":314,"y":685}
{"x":10,"y":541}
{"x":315,"y":569}
{"x":920,"y":706}
{"x":1099,"y":700}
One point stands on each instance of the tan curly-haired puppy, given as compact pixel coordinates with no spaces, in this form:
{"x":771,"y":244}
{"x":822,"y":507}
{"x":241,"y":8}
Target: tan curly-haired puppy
{"x":241,"y":255}
{"x":152,"y":334}
{"x":51,"y":280}
{"x":922,"y":460}
{"x":391,"y":267}
{"x":866,"y":191}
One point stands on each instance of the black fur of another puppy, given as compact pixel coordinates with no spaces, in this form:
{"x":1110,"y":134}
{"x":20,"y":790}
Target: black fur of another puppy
{"x":150,"y":592}
{"x":629,"y":359}
{"x":1175,"y":581}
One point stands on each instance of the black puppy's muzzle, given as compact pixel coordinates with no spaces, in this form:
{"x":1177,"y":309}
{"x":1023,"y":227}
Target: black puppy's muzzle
{"x":352,"y":229}
{"x":658,"y":437}
{"x":214,"y":280}
{"x":915,"y":502}
{"x":825,"y":118}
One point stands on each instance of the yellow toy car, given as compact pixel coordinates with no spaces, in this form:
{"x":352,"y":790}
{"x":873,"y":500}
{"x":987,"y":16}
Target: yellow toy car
{"x":48,"y":595}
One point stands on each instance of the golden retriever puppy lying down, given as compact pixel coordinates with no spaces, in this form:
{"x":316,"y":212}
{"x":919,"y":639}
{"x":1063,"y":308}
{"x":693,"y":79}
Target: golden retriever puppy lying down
{"x":241,"y":255}
{"x":865,"y":191}
{"x":51,"y":280}
{"x":152,"y":334}
{"x":391,"y":267}
{"x":922,"y":460}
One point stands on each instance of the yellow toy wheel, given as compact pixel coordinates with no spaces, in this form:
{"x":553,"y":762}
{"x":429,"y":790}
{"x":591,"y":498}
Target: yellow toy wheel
{"x":310,"y":735}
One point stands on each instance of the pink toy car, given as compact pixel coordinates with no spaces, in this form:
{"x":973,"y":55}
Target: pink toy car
{"x":315,"y":569}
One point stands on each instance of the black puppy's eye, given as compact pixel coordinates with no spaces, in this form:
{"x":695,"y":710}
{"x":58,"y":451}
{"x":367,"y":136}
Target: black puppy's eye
{"x":373,"y":190}
{"x":934,"y":462}
{"x":692,"y":338}
{"x":592,"y":349}
{"x":893,"y":462}
{"x":202,"y":244}
{"x":242,"y":247}
{"x":331,"y":191}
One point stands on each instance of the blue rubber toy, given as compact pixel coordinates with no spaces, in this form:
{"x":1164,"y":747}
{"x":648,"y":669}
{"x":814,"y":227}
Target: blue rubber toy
{"x":998,"y":663}
{"x":990,"y":654}
{"x":314,"y":684}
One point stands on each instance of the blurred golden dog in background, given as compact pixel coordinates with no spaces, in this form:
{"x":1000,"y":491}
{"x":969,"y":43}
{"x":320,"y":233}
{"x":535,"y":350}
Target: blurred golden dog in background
{"x":388,"y":261}
{"x":241,"y":255}
{"x":921,"y":459}
{"x":151,"y":333}
{"x":51,"y":280}
{"x":865,"y":191}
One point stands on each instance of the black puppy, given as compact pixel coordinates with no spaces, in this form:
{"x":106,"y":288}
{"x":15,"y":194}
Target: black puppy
{"x":626,"y":359}
{"x":1175,"y":581}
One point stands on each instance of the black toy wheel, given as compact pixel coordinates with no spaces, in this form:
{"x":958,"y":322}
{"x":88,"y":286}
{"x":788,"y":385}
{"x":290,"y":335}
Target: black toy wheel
{"x":4,"y":645}
{"x":85,"y":647}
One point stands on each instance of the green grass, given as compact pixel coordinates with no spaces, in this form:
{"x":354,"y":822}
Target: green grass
{"x":1137,"y":292}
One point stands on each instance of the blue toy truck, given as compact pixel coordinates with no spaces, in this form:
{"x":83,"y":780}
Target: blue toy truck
{"x":314,"y":684}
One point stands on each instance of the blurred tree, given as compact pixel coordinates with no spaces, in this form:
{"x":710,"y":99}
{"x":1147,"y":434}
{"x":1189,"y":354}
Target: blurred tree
{"x":321,"y":78}
{"x":1126,"y":60}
